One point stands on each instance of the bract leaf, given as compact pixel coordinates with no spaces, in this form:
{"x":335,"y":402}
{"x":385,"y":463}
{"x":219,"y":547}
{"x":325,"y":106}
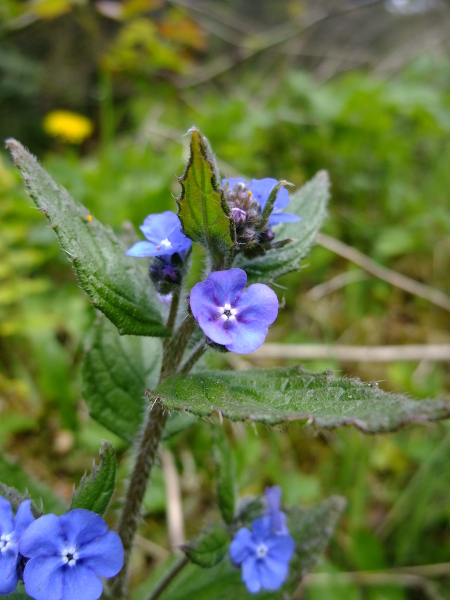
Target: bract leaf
{"x":95,"y":490}
{"x":309,"y":203}
{"x":116,"y":284}
{"x":203,"y":212}
{"x":294,"y":394}
{"x":116,"y":372}
{"x":209,"y":547}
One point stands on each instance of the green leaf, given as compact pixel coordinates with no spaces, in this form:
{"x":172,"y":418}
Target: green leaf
{"x":225,"y":473}
{"x":203,"y":212}
{"x":18,"y":594}
{"x":293,"y":394}
{"x":208,"y":548}
{"x":309,"y":203}
{"x":14,"y":475}
{"x":311,"y":529}
{"x":116,"y":284}
{"x":116,"y":372}
{"x":95,"y":490}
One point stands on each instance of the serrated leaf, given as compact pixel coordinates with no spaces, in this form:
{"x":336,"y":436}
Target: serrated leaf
{"x":116,"y":284}
{"x":15,"y":498}
{"x":225,"y":473}
{"x":116,"y":372}
{"x":309,"y":203}
{"x":95,"y":490}
{"x":293,"y":394}
{"x":208,"y":548}
{"x":203,"y":212}
{"x":311,"y":529}
{"x":13,"y":475}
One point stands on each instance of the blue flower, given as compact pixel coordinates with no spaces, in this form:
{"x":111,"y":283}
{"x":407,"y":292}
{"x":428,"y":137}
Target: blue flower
{"x":164,"y":235}
{"x":10,"y":531}
{"x":68,"y":554}
{"x":273,"y":502}
{"x":231,"y":316}
{"x":260,"y":191}
{"x":262,"y":554}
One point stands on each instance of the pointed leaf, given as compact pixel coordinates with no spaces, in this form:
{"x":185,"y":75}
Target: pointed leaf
{"x":95,"y":490}
{"x":116,"y":372}
{"x":203,"y":212}
{"x":311,"y":529}
{"x":293,"y":394}
{"x":116,"y":284}
{"x":225,"y":473}
{"x":208,"y":548}
{"x":309,"y":203}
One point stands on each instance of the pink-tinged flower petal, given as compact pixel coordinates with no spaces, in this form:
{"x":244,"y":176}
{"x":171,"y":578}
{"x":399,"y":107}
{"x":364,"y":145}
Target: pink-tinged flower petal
{"x":228,"y":285}
{"x":242,"y":546}
{"x":104,"y":554}
{"x":257,"y":302}
{"x":246,"y":337}
{"x":6,"y":516}
{"x":43,"y":536}
{"x":81,"y":526}
{"x":214,"y":328}
{"x":8,"y":572}
{"x":80,"y":583}
{"x":44,"y":576}
{"x":250,"y":575}
{"x":203,"y":299}
{"x":23,"y":518}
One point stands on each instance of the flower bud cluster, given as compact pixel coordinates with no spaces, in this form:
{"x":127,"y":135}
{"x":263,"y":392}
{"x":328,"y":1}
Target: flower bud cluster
{"x":58,"y":558}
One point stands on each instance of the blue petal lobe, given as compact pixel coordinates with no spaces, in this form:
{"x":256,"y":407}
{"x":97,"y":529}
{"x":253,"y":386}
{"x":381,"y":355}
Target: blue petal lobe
{"x":103,"y":555}
{"x":82,"y":526}
{"x":215,"y":329}
{"x":142,"y":250}
{"x":261,"y":188}
{"x":261,"y":529}
{"x":80,"y":583}
{"x":251,"y":575}
{"x":247,"y":336}
{"x":280,"y":547}
{"x":257,"y":302}
{"x":43,"y":536}
{"x":272,"y":573}
{"x":8,"y":572}
{"x":159,"y":226}
{"x":43,"y":578}
{"x":6,"y":516}
{"x":203,"y":299}
{"x":228,"y":285}
{"x":277,"y":218}
{"x":242,"y":546}
{"x":23,"y":518}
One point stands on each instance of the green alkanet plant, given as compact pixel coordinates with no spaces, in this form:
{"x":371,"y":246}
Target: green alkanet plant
{"x":136,"y":378}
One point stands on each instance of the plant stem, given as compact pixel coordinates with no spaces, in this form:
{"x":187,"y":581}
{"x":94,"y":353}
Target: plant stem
{"x":197,"y":353}
{"x":168,"y":577}
{"x":147,"y":446}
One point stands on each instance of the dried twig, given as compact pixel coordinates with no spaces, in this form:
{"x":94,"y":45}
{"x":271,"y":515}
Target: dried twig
{"x":175,"y":521}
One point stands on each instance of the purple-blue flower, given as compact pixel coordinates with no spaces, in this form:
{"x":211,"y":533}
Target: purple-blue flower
{"x":68,"y":555}
{"x":262,"y":554}
{"x":231,"y":316}
{"x":164,"y":237}
{"x":260,"y":191}
{"x":11,"y":529}
{"x":273,"y":503}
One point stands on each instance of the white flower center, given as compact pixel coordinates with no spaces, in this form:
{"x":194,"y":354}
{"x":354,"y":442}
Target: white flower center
{"x":164,"y":244}
{"x":261,"y":551}
{"x":6,"y":542}
{"x":70,"y":556}
{"x":227,"y":313}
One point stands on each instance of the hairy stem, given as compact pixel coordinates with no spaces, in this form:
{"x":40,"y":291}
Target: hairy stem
{"x":197,"y":353}
{"x":168,"y":577}
{"x":175,"y":347}
{"x":173,"y":310}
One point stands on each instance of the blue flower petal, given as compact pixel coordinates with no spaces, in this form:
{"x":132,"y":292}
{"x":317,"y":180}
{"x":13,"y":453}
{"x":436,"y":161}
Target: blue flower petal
{"x":203,"y":299}
{"x":272,"y":573}
{"x":228,"y":285}
{"x":261,"y":529}
{"x":142,"y":250}
{"x":23,"y":518}
{"x":277,"y":218}
{"x":215,"y":330}
{"x":8,"y":572}
{"x":104,"y":554}
{"x":251,"y":575}
{"x":257,"y":302}
{"x":261,"y":188}
{"x":6,"y":516}
{"x":280,"y":547}
{"x":157,"y":227}
{"x":242,"y":546}
{"x":44,"y":576}
{"x":81,"y":526}
{"x":43,"y":536}
{"x":81,"y":583}
{"x":246,"y":337}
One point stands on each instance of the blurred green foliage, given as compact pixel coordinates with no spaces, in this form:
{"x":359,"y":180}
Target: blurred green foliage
{"x":385,"y":145}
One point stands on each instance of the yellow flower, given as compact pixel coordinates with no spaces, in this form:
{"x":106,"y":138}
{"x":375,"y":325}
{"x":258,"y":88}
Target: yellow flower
{"x":69,"y":126}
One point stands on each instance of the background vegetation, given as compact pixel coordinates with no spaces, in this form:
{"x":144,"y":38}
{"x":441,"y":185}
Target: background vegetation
{"x":360,"y":89}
